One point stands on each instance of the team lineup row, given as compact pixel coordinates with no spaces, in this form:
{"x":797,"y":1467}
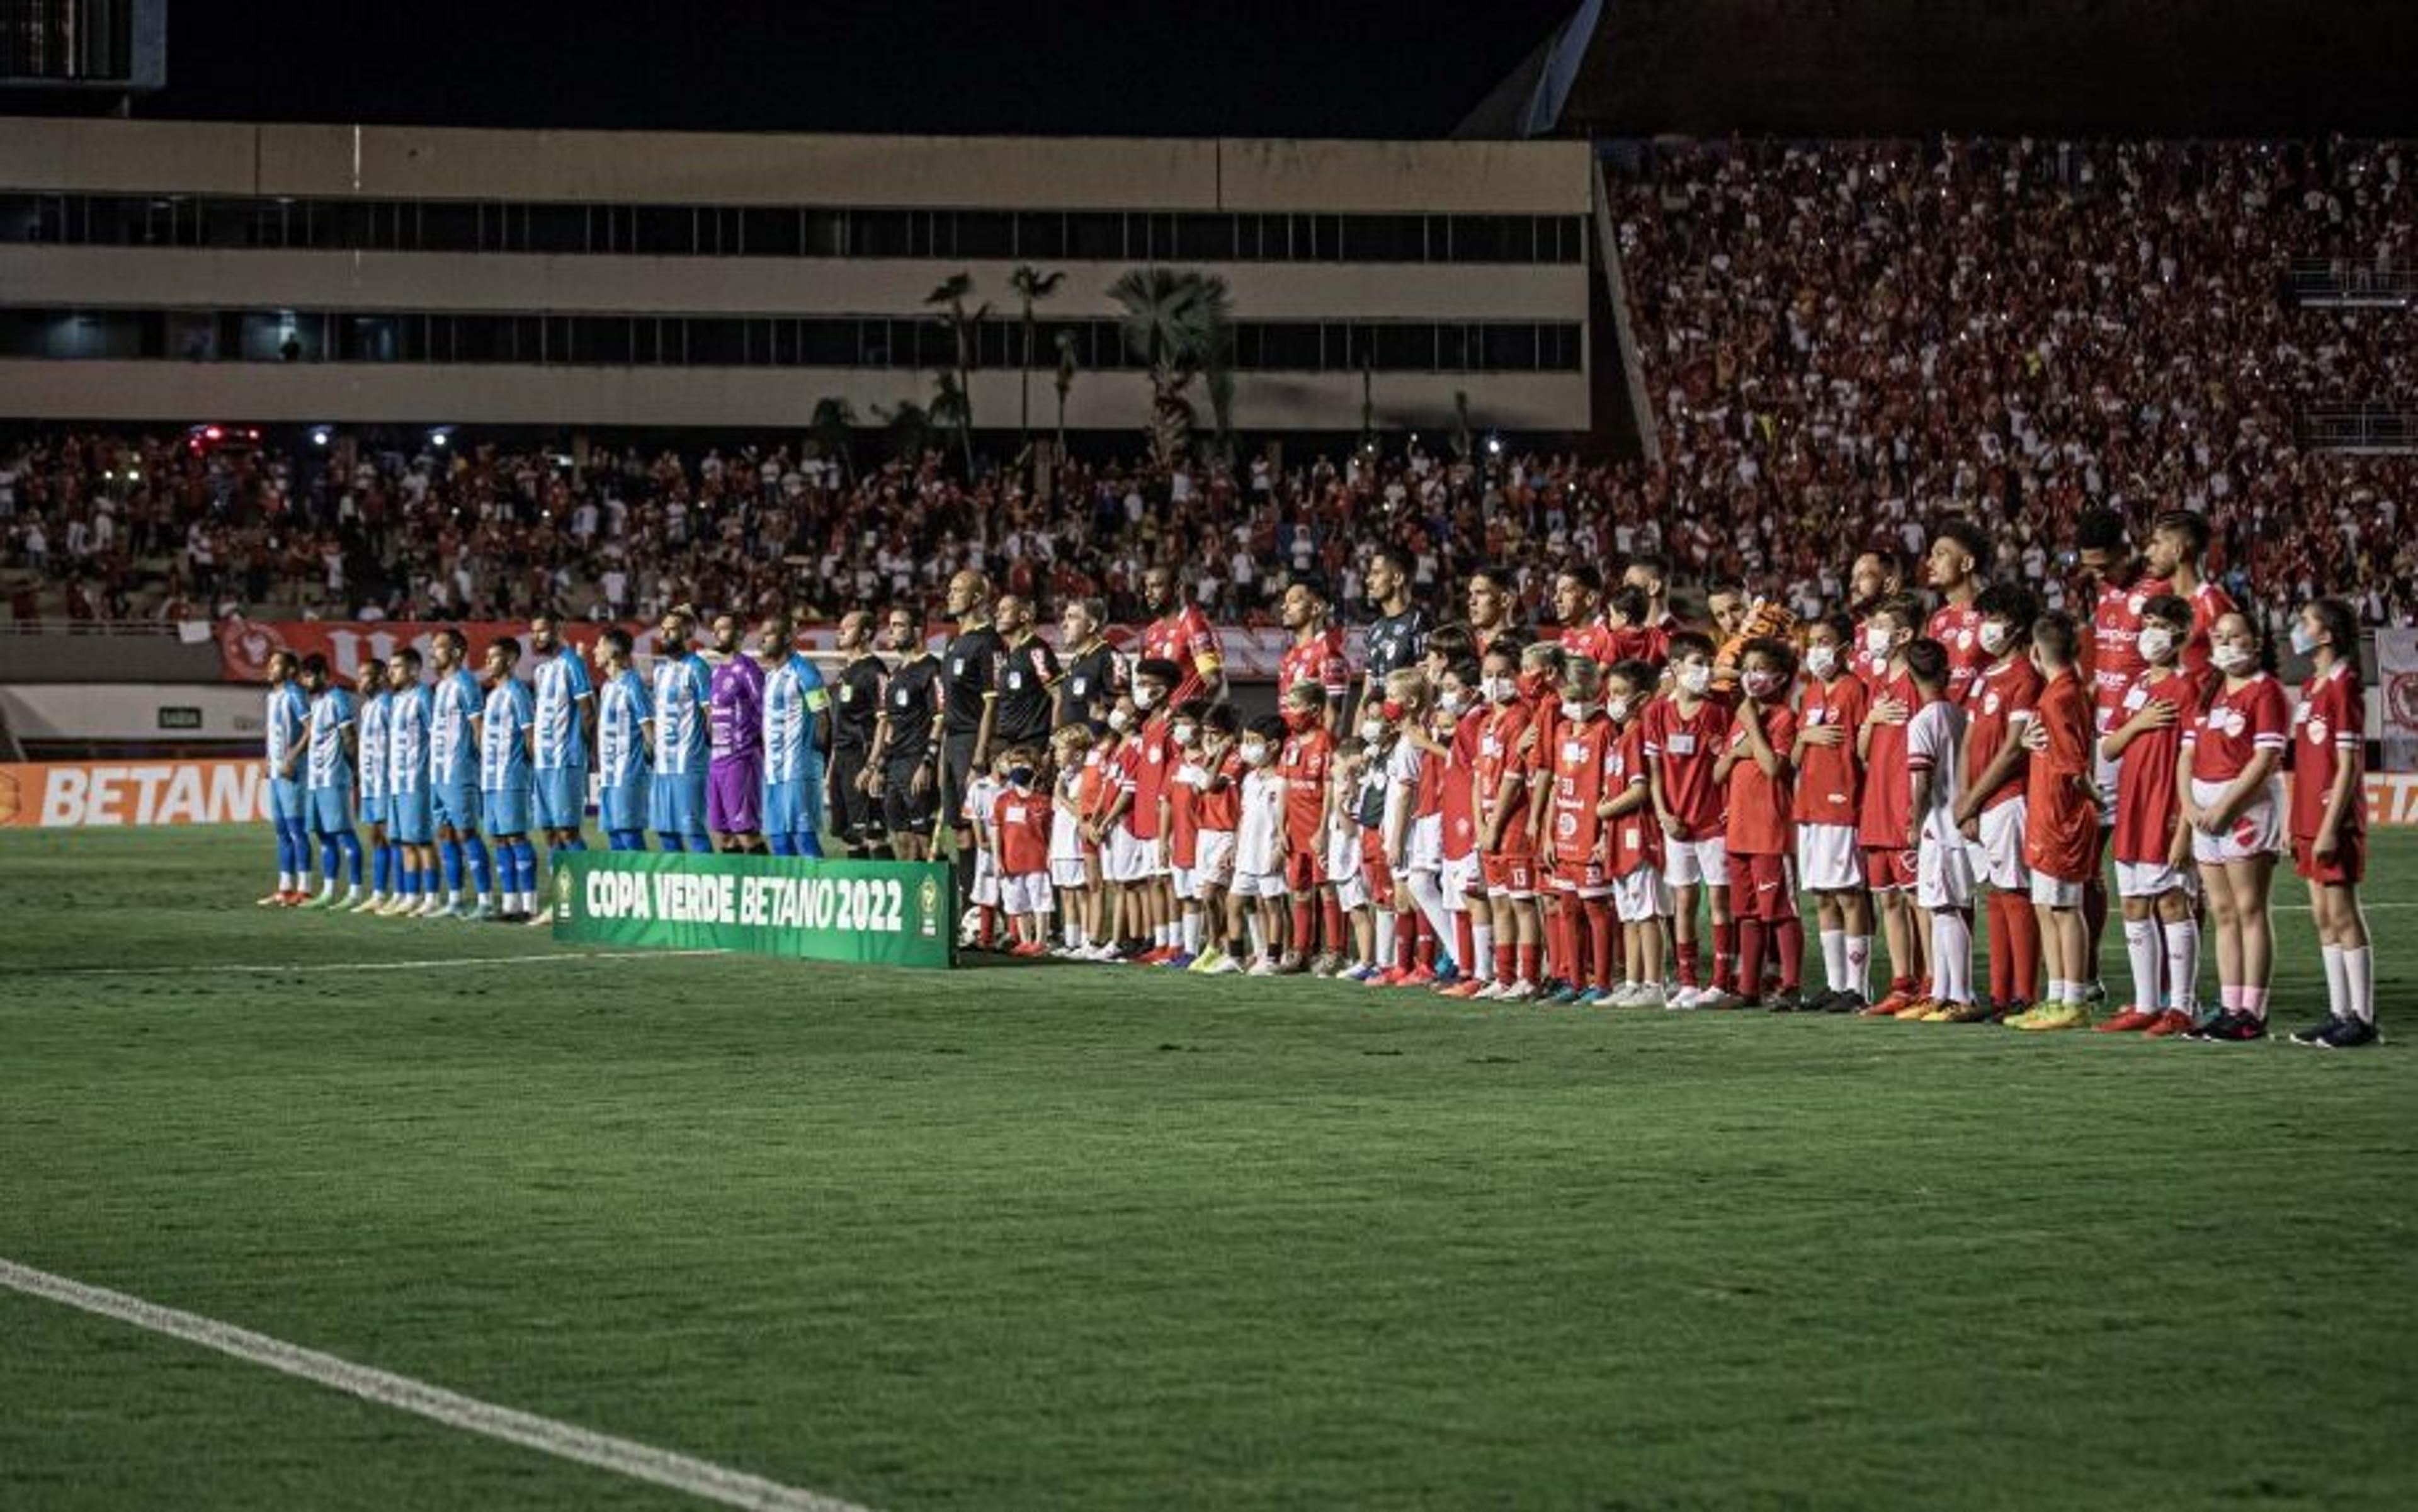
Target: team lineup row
{"x":1506,"y":817}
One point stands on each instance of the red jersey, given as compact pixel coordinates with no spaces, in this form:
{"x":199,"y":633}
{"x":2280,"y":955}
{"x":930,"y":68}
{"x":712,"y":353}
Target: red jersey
{"x":1582,"y":750}
{"x":1461,"y":788}
{"x":2327,"y":730}
{"x":2060,"y":819}
{"x":1649,"y":644}
{"x":1829,"y":779}
{"x":1685,"y":748}
{"x":1633,"y":840}
{"x":1427,"y":798}
{"x":1323,"y":659}
{"x":1095,"y":790}
{"x":1592,"y":640}
{"x":1760,"y":805}
{"x":2237,"y":724}
{"x":1497,"y":759}
{"x":2209,"y":603}
{"x":2116,"y":661}
{"x":1183,"y":815}
{"x":1303,"y":761}
{"x":1219,"y":811}
{"x":1881,"y":823}
{"x":1185,"y":638}
{"x":1153,"y":757}
{"x":1958,"y":627}
{"x":2146,"y":807}
{"x":1995,"y":712}
{"x":1023,"y":819}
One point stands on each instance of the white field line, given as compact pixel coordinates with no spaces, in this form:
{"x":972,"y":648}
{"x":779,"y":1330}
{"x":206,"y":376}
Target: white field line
{"x":378,"y":966}
{"x":622,"y":1456}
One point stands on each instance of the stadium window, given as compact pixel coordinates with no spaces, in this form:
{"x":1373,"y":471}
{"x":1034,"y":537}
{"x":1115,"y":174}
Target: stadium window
{"x":828,"y":343}
{"x":1406,"y":346}
{"x":1288,"y":345}
{"x":1095,"y":237}
{"x":1207,"y":237}
{"x":877,"y":233}
{"x":825,"y":232}
{"x":448,"y":225}
{"x":1384,"y":238}
{"x":1510,"y":348}
{"x":366,"y":339}
{"x":873,"y":343}
{"x":1040,"y":234}
{"x":716,"y":342}
{"x":717,"y":231}
{"x":934,"y":346}
{"x":667,"y":231}
{"x":599,"y":340}
{"x":556,"y":228}
{"x":998,"y":342}
{"x":765,"y":232}
{"x":985,"y":233}
{"x":1453,"y":348}
{"x":21,"y":217}
{"x":1560,"y":347}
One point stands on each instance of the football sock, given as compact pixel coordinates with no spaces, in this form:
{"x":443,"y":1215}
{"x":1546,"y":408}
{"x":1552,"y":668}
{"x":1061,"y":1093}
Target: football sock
{"x":1526,"y":957}
{"x":2141,"y":949}
{"x":1790,"y":931}
{"x":1430,"y":897}
{"x":2183,"y":963}
{"x":1952,"y":944}
{"x":1857,"y":959}
{"x":328,"y":862}
{"x":1834,"y":959}
{"x":781,"y":845}
{"x":2358,"y":983}
{"x":1750,"y":940}
{"x":1339,"y":940}
{"x":671,"y":842}
{"x":350,"y":844}
{"x":2024,"y":933}
{"x":1725,"y":961}
{"x":1481,"y":950}
{"x":1303,"y":911}
{"x":810,"y":845}
{"x":2253,"y":1002}
{"x":1192,"y":931}
{"x":483,"y":875}
{"x":1687,"y":953}
{"x":1601,"y":935}
{"x":448,"y":855}
{"x":382,"y":869}
{"x":1384,"y":939}
{"x":1465,"y":945}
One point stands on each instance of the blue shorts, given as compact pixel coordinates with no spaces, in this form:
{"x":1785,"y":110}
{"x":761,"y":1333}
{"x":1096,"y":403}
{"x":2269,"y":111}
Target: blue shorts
{"x":285,"y":799}
{"x":793,"y":807}
{"x":457,"y":806}
{"x":373,"y":808}
{"x":676,"y":803}
{"x":623,"y":807}
{"x":332,"y":811}
{"x":410,"y":820}
{"x":508,"y":811}
{"x":562,"y":797}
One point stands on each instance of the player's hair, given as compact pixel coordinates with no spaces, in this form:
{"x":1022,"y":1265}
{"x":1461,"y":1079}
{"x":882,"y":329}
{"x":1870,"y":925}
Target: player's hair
{"x":1222,"y":719}
{"x":1091,"y":608}
{"x":1839,"y":624}
{"x":2188,"y":524}
{"x":683,"y":610}
{"x":1725,"y":585}
{"x":2342,"y":627}
{"x":1782,"y":655}
{"x":1312,"y":583}
{"x":314,"y":665}
{"x":1270,"y":729}
{"x":2101,"y":529}
{"x":1926,"y":661}
{"x":1074,"y":736}
{"x":615,"y":636}
{"x":546,"y":613}
{"x":2258,"y":636}
{"x":1903,"y":607}
{"x":1464,"y":670}
{"x":453,"y":634}
{"x":1393,"y":556}
{"x":410,"y":655}
{"x":1582,"y":676}
{"x":1191,"y":709}
{"x":1583,"y":573}
{"x":1892,"y":562}
{"x":2053,"y":635}
{"x":506,"y":644}
{"x":1639,"y":675}
{"x":1409,"y":685}
{"x":1499,"y":576}
{"x":2013,"y":603}
{"x":1158,"y":669}
{"x":1543,"y":656}
{"x":1653,"y":563}
{"x":1684,"y":641}
{"x":1628,"y":602}
{"x":1966,"y":534}
{"x":1348,"y":748}
{"x":1451,"y":640}
{"x":2168,"y":609}
{"x":1308,"y":694}
{"x":1509,"y":645}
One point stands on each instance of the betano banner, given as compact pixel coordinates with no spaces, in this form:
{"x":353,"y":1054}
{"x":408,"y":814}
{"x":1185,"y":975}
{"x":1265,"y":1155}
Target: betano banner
{"x":81,"y":795}
{"x":870,"y":912}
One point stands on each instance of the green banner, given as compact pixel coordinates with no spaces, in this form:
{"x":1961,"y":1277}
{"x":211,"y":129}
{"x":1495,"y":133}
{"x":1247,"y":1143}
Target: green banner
{"x":872,"y":912}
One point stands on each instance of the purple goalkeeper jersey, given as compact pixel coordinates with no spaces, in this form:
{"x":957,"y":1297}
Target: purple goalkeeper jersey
{"x":736,"y":721}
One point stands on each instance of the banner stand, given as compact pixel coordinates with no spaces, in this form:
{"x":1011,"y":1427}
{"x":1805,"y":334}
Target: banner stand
{"x":861,"y":912}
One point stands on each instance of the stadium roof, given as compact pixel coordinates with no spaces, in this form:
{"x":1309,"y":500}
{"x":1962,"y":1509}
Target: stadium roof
{"x":1913,"y":68}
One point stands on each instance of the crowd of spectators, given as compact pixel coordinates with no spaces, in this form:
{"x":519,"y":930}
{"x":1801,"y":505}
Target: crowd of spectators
{"x":1841,"y":344}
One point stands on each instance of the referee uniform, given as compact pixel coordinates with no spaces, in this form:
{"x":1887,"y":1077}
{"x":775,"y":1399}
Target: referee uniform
{"x":856,"y":708}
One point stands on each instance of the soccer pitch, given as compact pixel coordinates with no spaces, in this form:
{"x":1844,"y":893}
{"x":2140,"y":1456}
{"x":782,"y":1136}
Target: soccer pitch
{"x":1089,"y":1237}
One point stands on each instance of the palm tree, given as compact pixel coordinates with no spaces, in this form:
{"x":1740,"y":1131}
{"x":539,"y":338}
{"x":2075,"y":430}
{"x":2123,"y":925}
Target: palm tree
{"x":950,"y":411}
{"x":961,"y":324}
{"x":1031,"y":286}
{"x":1179,"y":322}
{"x":829,"y":432}
{"x":908,"y":425}
{"x":1067,"y":369}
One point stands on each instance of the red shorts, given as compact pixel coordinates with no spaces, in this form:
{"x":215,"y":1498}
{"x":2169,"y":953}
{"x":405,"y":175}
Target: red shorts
{"x":1587,"y":878}
{"x":1759,"y":888}
{"x":1887,"y":870}
{"x":2346,"y":867}
{"x":1510,"y":877}
{"x":1303,"y":871}
{"x":1373,"y":870}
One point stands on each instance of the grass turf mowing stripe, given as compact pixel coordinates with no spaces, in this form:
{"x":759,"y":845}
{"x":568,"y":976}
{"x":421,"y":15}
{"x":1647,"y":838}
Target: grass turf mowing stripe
{"x":447,"y":964}
{"x":662,"y":1467}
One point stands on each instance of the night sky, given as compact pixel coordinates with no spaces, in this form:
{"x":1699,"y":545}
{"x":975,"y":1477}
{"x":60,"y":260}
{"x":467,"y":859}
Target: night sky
{"x":1312,"y":67}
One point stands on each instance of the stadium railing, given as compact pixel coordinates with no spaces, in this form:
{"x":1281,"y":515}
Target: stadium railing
{"x":2320,"y":280}
{"x":2373,"y":429}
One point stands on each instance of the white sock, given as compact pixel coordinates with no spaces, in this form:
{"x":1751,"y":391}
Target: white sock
{"x":1857,"y":959}
{"x":2061,"y":991}
{"x":2359,"y":978}
{"x":1481,"y":943}
{"x":1429,"y":895}
{"x":1192,"y":932}
{"x":2141,"y":949}
{"x":1952,"y":949}
{"x":2183,"y":963}
{"x":1385,"y":937}
{"x":1834,"y":959}
{"x":2338,"y":981}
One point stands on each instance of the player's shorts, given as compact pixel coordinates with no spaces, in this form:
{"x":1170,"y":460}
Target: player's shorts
{"x":2257,"y":831}
{"x":562,"y":797}
{"x":1828,"y":860}
{"x":2153,"y":879}
{"x":1212,"y":858}
{"x":903,"y":814}
{"x":2055,"y":891}
{"x":1998,"y":855}
{"x":1462,"y":877}
{"x":1304,"y":867}
{"x":1186,"y":883}
{"x":1427,"y":845}
{"x":1069,"y":872}
{"x":2346,"y":867}
{"x":330,"y":809}
{"x":373,"y":808}
{"x":984,"y":891}
{"x":1509,"y":877}
{"x":1580,"y":879}
{"x":455,"y":807}
{"x":506,"y":810}
{"x":1640,"y":895}
{"x":410,"y":818}
{"x":676,"y":803}
{"x":1342,"y":848}
{"x":734,"y":796}
{"x":957,"y":772}
{"x":1943,"y":874}
{"x":1127,"y":857}
{"x":1889,"y":869}
{"x":287,"y":802}
{"x":1759,"y":888}
{"x":1025,"y":893}
{"x":1350,"y":892}
{"x":1687,"y":863}
{"x":1376,"y":871}
{"x":793,"y":807}
{"x":858,"y":815}
{"x":1269,"y":885}
{"x":623,"y":805}
{"x":2103,"y":769}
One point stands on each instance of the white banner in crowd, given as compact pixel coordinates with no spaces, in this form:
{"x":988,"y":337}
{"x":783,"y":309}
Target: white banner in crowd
{"x":2397,"y":695}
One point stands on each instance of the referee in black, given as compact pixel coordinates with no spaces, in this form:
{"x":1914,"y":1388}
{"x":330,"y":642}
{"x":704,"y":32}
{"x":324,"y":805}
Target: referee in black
{"x":1027,"y":671}
{"x":968,"y":707}
{"x":856,"y":710}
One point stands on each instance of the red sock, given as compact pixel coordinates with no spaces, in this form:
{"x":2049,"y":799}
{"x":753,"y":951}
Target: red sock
{"x":2024,"y":933}
{"x":1303,"y":911}
{"x":1599,"y":939}
{"x":1406,"y":941}
{"x":1465,"y":944}
{"x":1526,"y":957}
{"x":1727,"y":976}
{"x":1427,"y":944}
{"x":1565,"y":941}
{"x":1686,"y":953}
{"x":1791,"y":930}
{"x":989,"y":922}
{"x":1749,"y":937}
{"x":2002,"y":959}
{"x":1331,"y":915}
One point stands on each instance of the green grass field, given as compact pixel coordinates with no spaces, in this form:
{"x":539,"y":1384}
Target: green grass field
{"x":1070,"y":1237}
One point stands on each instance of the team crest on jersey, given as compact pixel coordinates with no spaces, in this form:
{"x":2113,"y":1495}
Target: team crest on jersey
{"x":2136,"y":603}
{"x":2228,"y":719}
{"x":1964,"y":640}
{"x":956,"y":666}
{"x":1990,"y":702}
{"x":1572,"y":750}
{"x":2317,"y":731}
{"x":1565,"y":825}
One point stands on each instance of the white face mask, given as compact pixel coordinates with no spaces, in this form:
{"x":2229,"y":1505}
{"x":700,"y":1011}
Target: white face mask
{"x":1822,"y":659}
{"x":1183,"y":734}
{"x":1255,"y":754}
{"x":1144,"y":697}
{"x":1572,"y":708}
{"x":1501,"y":690}
{"x":1694,"y":678}
{"x":1759,"y":683}
{"x":1994,"y":637}
{"x":1619,"y":709}
{"x":1878,"y":641}
{"x":1372,"y":729}
{"x":2233,"y":658}
{"x":1453,"y":702}
{"x":1120,"y":721}
{"x":2157,"y":643}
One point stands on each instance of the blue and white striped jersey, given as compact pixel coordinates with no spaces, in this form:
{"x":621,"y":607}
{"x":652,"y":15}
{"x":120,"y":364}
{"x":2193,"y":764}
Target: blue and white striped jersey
{"x":621,"y":713}
{"x":326,"y":764}
{"x":452,"y":744}
{"x":503,"y":744}
{"x":289,"y":716}
{"x":793,"y":695}
{"x":409,"y":714}
{"x":562,"y":682}
{"x":683,"y":687}
{"x":372,"y":754}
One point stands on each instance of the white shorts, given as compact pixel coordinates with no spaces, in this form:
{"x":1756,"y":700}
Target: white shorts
{"x":1351,"y":892}
{"x":1212,"y":858}
{"x":1028,"y":894}
{"x":1943,"y":874}
{"x":2257,"y":831}
{"x":1126,"y":857}
{"x":1998,"y":856}
{"x":1686,"y":863}
{"x":1185,"y":880}
{"x":985,"y":884}
{"x":2152,"y":879}
{"x":2055,"y":891}
{"x":1427,"y":845}
{"x":1460,"y":879}
{"x":2103,"y":773}
{"x":1828,"y":858}
{"x":1068,"y":872}
{"x":1640,"y":897}
{"x":1260,"y":885}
